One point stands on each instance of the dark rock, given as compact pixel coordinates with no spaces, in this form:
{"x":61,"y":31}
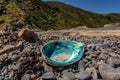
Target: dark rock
{"x":109,"y":73}
{"x":82,"y":75}
{"x":68,"y":76}
{"x":27,"y":35}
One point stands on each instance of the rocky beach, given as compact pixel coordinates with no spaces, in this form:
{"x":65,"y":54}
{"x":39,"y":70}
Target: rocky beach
{"x":21,"y":58}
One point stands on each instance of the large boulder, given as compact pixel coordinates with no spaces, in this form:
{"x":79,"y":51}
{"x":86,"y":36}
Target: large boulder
{"x":109,"y":73}
{"x":28,"y":35}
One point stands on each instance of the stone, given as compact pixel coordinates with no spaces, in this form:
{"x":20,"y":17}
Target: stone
{"x":28,"y":35}
{"x":47,"y":68}
{"x":90,"y":46}
{"x":117,"y":62}
{"x":85,"y":60}
{"x":68,"y":76}
{"x":10,"y":48}
{"x":48,"y":75}
{"x":111,"y":62}
{"x":103,"y":56}
{"x":14,"y":57}
{"x":64,"y":71}
{"x":2,"y":58}
{"x":93,"y":72}
{"x":26,"y":77}
{"x":82,"y":75}
{"x":81,"y":65}
{"x":93,"y":55}
{"x":109,"y":73}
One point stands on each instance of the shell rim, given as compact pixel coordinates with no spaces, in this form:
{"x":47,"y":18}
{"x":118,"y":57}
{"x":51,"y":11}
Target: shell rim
{"x":49,"y":61}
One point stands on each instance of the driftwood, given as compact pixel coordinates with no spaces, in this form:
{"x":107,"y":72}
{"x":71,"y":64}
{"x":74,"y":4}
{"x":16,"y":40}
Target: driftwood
{"x":10,"y":48}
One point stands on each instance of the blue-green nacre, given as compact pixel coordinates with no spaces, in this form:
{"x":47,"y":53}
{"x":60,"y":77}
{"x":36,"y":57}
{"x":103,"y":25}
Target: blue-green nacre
{"x":62,"y":53}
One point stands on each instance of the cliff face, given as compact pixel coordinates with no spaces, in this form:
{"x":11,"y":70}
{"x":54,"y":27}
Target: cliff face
{"x":49,"y":15}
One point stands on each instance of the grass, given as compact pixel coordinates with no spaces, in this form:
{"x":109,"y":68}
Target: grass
{"x":51,"y":15}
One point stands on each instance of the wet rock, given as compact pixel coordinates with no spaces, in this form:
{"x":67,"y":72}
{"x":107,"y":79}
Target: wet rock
{"x":109,"y":73}
{"x":27,"y":35}
{"x":68,"y":76}
{"x":82,"y":75}
{"x":93,"y":72}
{"x":26,"y":77}
{"x":48,"y":75}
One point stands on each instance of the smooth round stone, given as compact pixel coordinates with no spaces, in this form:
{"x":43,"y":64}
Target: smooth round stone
{"x":48,"y":75}
{"x":62,"y":53}
{"x":108,"y":72}
{"x":68,"y":76}
{"x":14,"y":57}
{"x":26,"y":77}
{"x":93,"y":72}
{"x":81,"y":65}
{"x":82,"y":75}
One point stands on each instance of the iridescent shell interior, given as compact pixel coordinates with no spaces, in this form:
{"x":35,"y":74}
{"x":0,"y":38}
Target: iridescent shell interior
{"x":62,"y":52}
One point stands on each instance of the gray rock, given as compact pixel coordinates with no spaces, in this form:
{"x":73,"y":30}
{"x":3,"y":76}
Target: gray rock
{"x":112,"y":54}
{"x":48,"y":75}
{"x":2,"y":57}
{"x":111,"y":61}
{"x":14,"y":57}
{"x":82,"y":75}
{"x":68,"y":76}
{"x":26,"y":77}
{"x":103,"y":56}
{"x":5,"y":71}
{"x":32,"y":76}
{"x":117,"y":62}
{"x":47,"y":68}
{"x":81,"y":65}
{"x":109,"y":73}
{"x":59,"y":78}
{"x":6,"y":78}
{"x":93,"y":72}
{"x":64,"y":71}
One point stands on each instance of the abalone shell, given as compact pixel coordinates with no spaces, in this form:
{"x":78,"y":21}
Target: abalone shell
{"x":62,"y":53}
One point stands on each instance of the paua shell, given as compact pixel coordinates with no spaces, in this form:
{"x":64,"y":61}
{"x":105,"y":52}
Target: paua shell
{"x":62,"y":53}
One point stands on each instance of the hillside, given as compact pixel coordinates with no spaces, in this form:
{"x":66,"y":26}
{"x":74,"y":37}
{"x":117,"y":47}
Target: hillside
{"x":82,"y":17}
{"x":49,"y":15}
